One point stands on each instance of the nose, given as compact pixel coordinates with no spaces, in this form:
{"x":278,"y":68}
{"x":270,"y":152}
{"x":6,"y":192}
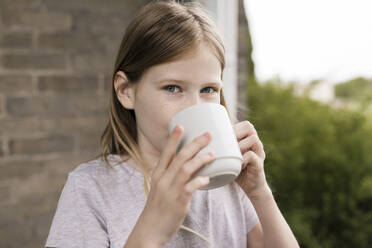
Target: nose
{"x":193,"y":99}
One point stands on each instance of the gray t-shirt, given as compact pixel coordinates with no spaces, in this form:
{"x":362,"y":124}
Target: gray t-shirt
{"x":99,"y":207}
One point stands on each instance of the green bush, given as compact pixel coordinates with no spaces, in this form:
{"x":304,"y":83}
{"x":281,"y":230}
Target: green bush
{"x":319,"y":165}
{"x":358,"y":89}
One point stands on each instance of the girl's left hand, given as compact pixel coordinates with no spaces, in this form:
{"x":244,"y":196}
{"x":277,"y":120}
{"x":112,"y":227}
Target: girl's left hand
{"x":252,"y":176}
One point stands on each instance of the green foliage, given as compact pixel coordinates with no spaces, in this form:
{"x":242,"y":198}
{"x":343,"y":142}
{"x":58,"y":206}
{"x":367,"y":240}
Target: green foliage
{"x":319,"y":165}
{"x":358,"y":89}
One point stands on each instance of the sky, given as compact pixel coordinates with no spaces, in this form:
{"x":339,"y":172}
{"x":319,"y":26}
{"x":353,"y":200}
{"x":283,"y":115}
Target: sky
{"x":297,"y":40}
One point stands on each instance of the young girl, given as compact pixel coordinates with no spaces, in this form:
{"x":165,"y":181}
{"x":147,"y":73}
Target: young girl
{"x":137,"y":193}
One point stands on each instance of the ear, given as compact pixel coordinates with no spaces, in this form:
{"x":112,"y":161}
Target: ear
{"x":124,"y":90}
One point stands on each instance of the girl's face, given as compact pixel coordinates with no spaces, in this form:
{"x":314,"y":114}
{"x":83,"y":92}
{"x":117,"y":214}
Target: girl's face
{"x":165,"y":89}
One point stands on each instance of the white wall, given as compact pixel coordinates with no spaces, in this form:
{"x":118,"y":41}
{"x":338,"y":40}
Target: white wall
{"x":225,"y":13}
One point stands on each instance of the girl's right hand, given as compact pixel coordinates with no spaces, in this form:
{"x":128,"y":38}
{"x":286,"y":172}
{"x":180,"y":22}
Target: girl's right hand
{"x":169,"y":198}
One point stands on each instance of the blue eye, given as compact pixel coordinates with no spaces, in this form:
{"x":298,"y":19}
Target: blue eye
{"x":215,"y":90}
{"x":169,"y":88}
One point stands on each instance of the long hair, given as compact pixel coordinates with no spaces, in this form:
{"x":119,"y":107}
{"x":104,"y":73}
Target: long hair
{"x":160,"y":32}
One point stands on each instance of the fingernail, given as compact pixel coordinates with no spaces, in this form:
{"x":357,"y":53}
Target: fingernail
{"x":177,"y":128}
{"x":205,"y":179}
{"x":211,"y":154}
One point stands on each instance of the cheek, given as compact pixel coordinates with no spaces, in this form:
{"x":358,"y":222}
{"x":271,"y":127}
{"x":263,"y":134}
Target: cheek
{"x":163,"y":115}
{"x":153,"y":119}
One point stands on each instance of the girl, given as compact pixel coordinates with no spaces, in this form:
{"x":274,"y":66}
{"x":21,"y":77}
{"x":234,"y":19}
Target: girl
{"x":170,"y":58}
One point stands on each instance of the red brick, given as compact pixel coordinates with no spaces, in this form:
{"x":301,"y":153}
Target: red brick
{"x":1,"y":149}
{"x":20,"y":169}
{"x":101,"y":22}
{"x":31,"y":146}
{"x":80,"y":124}
{"x":38,"y":19}
{"x":34,"y":61}
{"x":68,"y":83}
{"x":57,"y":106}
{"x":11,"y":126}
{"x":58,"y":125}
{"x":15,"y":84}
{"x":107,"y":81}
{"x":77,"y":42}
{"x":124,"y":7}
{"x":1,"y":106}
{"x":97,"y":62}
{"x":20,"y":4}
{"x":15,"y":39}
{"x":89,"y":143}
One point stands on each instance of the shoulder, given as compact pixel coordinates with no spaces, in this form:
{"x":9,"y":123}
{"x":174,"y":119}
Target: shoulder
{"x":229,"y":196}
{"x":96,"y":172}
{"x":96,"y":167}
{"x":233,"y":197}
{"x":235,"y":192}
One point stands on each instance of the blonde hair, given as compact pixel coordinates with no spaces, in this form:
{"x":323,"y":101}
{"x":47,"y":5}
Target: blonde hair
{"x":161,"y":31}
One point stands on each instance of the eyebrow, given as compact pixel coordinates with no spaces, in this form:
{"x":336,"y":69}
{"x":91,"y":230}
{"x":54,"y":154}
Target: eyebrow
{"x":170,"y":80}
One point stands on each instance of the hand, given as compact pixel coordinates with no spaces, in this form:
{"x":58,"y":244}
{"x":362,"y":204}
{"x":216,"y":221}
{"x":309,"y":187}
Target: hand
{"x":252,"y":177}
{"x":171,"y":188}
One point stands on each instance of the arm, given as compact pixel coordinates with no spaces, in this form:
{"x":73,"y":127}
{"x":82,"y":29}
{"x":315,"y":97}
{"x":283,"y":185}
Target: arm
{"x":255,"y":237}
{"x":139,"y":237}
{"x":272,"y":230}
{"x":168,"y":201}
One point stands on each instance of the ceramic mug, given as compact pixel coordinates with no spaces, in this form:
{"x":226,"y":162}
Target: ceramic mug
{"x":213,"y":118}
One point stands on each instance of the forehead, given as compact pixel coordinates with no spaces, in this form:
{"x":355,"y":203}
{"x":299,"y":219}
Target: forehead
{"x":198,"y":66}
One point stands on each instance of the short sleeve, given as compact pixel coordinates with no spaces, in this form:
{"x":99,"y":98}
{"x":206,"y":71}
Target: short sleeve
{"x":77,"y":221}
{"x":251,"y":218}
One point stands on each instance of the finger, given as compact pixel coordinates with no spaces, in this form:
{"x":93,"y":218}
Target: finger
{"x":251,"y":159}
{"x":253,"y":143}
{"x":188,"y":169}
{"x":169,"y":150}
{"x":187,"y":153}
{"x":195,"y":184}
{"x":244,"y":129}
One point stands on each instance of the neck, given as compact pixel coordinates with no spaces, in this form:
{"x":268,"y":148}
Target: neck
{"x":150,"y":159}
{"x":150,"y":155}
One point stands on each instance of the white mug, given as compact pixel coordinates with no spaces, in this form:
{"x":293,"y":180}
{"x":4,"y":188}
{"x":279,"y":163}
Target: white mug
{"x":212,"y":118}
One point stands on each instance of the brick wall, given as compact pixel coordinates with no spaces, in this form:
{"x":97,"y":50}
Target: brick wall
{"x":56,"y":59}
